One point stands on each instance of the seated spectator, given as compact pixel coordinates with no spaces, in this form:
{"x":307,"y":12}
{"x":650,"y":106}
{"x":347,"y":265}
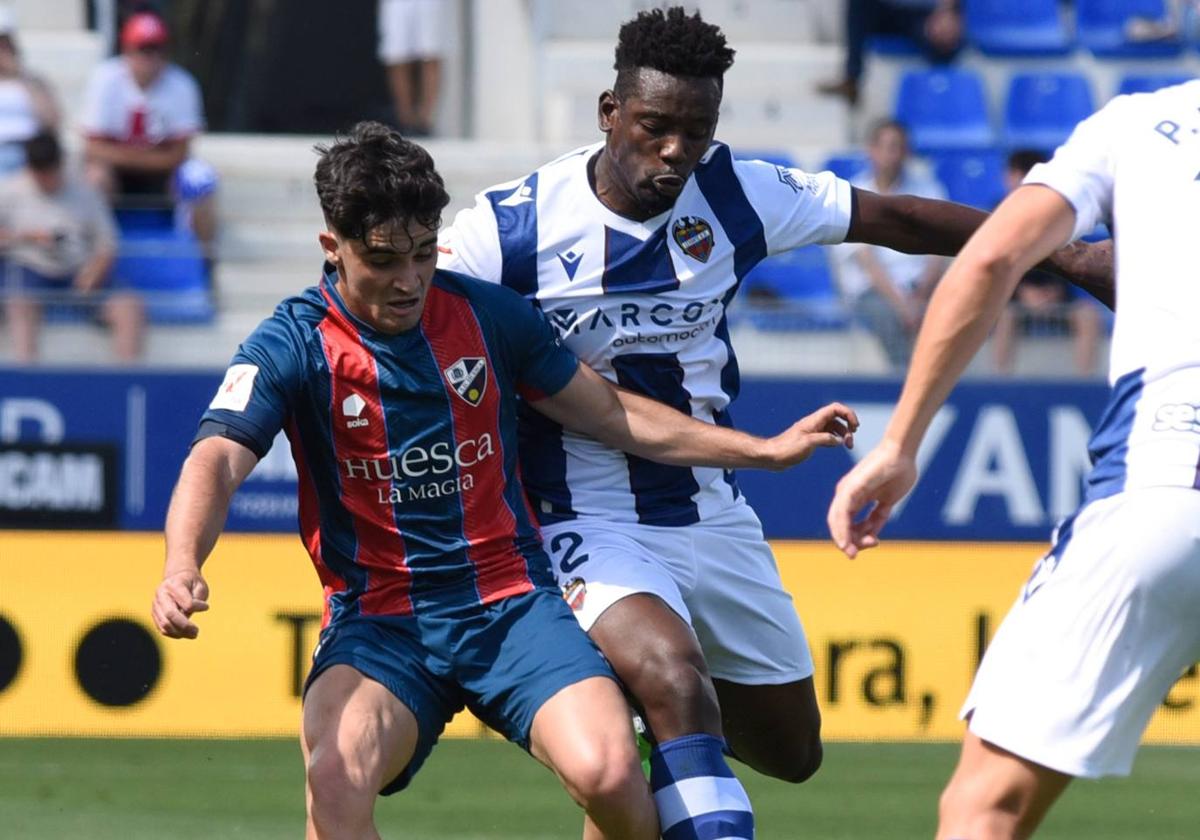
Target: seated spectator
{"x":58,"y":241}
{"x":1044,"y":302}
{"x":935,"y":25}
{"x":886,"y":290}
{"x":140,"y":115}
{"x":26,"y":103}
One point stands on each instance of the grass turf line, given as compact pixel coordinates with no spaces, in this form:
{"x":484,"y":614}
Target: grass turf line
{"x":489,"y":790}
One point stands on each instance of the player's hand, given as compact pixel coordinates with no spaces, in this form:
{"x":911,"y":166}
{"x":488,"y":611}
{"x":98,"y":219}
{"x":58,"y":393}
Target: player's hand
{"x":829,"y":426}
{"x":877,"y":482}
{"x":179,"y":596}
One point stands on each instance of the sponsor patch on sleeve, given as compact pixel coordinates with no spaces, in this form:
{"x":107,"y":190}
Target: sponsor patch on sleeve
{"x":234,"y":393}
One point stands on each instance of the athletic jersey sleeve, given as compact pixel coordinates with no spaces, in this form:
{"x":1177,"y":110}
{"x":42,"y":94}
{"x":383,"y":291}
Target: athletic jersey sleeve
{"x":102,"y":114}
{"x":1082,"y":169}
{"x":259,"y":389}
{"x":471,"y":245}
{"x":541,"y":363}
{"x":796,"y":207}
{"x":185,"y":116}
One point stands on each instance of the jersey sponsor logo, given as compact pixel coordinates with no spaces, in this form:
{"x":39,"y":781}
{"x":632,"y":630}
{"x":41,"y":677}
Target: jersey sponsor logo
{"x":234,"y":393}
{"x":695,"y":236}
{"x":468,"y":378}
{"x":636,"y":324}
{"x":352,"y":407}
{"x":570,"y":262}
{"x":420,"y":461}
{"x":1177,"y":417}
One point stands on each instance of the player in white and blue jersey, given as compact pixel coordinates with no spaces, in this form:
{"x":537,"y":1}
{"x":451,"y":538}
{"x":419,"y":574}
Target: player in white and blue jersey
{"x":397,"y":384}
{"x":634,"y":248}
{"x":1111,"y":615}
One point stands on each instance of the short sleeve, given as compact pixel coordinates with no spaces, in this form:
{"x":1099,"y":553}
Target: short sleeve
{"x":102,"y":116}
{"x":1081,"y":170}
{"x":471,"y":245}
{"x":796,"y":208}
{"x":541,"y":363}
{"x":185,"y":115}
{"x":260,"y":387}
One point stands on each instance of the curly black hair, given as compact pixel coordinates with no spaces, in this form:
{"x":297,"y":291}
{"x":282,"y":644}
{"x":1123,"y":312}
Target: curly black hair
{"x":373,"y":176}
{"x":673,"y":42}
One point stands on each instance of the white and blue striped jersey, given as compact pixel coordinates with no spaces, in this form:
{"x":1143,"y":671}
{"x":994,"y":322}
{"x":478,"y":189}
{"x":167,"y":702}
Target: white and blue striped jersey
{"x":1135,"y":165}
{"x":644,"y":304}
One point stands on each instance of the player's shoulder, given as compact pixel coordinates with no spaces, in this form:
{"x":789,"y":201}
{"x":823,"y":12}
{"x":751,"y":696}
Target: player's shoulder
{"x":295,"y":321}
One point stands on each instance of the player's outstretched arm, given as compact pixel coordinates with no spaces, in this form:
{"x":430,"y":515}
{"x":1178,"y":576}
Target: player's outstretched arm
{"x":641,"y":426}
{"x":212,"y":472}
{"x":918,"y":225}
{"x":1029,"y":224}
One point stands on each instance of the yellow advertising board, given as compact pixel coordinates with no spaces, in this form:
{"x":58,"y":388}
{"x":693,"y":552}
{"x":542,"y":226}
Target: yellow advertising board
{"x":896,"y":636}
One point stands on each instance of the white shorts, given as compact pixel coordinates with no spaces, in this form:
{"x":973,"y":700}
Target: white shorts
{"x":409,"y":30}
{"x":1106,"y":624}
{"x":718,"y":575}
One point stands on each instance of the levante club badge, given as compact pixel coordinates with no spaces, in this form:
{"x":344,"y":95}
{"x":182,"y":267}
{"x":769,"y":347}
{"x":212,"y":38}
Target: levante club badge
{"x":468,"y":378}
{"x":694,"y":236}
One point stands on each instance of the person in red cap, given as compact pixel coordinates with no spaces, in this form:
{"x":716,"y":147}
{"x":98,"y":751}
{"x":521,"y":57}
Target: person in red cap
{"x":141,"y":112}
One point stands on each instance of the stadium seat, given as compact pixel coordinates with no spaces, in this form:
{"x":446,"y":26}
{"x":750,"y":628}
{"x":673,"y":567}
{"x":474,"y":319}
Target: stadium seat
{"x":1043,"y":109}
{"x":945,"y":110}
{"x":794,"y":290}
{"x":898,"y":46}
{"x":846,"y":165}
{"x":1005,"y":28}
{"x":1150,"y":82}
{"x":974,"y":178}
{"x":1101,"y":28}
{"x":167,"y":267}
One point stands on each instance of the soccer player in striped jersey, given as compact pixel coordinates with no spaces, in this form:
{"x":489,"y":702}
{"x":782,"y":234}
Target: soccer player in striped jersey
{"x":634,"y":247}
{"x":397,"y":386}
{"x":1110,"y":617}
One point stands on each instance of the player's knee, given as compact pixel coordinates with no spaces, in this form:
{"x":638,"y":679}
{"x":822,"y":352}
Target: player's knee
{"x":606,"y":779}
{"x":338,"y":782}
{"x":674,"y":685}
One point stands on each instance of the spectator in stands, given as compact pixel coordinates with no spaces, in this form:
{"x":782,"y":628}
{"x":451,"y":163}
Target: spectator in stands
{"x":140,"y":114}
{"x":27,"y":104}
{"x":885,"y":289}
{"x":58,"y":241}
{"x":1043,"y":301}
{"x":410,"y":47}
{"x":935,"y":25}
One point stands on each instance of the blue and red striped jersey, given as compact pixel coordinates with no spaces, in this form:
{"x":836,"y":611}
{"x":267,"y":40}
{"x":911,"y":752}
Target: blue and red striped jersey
{"x":410,"y":498}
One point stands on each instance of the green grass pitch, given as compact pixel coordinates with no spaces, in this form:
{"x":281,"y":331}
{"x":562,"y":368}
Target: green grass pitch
{"x":489,"y":790}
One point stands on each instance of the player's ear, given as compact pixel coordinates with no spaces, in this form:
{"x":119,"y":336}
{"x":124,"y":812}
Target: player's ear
{"x":329,"y":244}
{"x":606,"y":110}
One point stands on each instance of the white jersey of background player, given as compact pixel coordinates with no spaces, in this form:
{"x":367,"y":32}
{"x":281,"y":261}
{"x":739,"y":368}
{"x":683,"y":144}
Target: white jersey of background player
{"x":1111,"y":615}
{"x":644,"y":303}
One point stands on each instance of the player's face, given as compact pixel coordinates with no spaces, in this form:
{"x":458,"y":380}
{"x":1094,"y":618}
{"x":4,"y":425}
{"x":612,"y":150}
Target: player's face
{"x":385,"y":276}
{"x":146,"y":63}
{"x":657,"y":133}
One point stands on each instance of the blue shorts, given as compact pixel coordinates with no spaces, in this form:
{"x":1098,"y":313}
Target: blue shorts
{"x":502,"y":660}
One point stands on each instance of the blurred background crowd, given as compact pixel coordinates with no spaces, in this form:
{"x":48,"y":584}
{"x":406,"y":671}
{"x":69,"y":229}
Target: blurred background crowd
{"x":156,"y":157}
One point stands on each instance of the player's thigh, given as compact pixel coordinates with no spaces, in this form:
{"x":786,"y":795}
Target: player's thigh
{"x":774,"y":728}
{"x":519,"y":654}
{"x":746,"y":621}
{"x":358,"y":724}
{"x":1097,"y":636}
{"x":584,"y":733}
{"x":992,"y":785}
{"x":390,"y":656}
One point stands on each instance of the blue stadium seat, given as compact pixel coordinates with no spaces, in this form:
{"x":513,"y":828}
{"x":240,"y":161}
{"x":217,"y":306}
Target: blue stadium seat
{"x":1101,"y":24}
{"x":794,"y":290}
{"x":1005,"y":28}
{"x":846,"y":165}
{"x":1043,"y":109}
{"x":898,"y":46}
{"x":974,"y":178}
{"x":167,"y":267}
{"x":945,"y":110}
{"x":1150,"y":82}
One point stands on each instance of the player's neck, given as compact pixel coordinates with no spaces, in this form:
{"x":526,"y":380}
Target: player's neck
{"x":609,"y":190}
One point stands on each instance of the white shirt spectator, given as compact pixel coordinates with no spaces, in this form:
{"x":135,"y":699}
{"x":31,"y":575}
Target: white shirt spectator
{"x":116,"y":108}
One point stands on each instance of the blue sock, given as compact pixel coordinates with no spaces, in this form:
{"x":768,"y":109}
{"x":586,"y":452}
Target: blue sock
{"x":697,"y":795}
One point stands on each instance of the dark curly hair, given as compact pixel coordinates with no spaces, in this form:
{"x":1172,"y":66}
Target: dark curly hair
{"x":373,"y":176}
{"x":673,"y":42}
